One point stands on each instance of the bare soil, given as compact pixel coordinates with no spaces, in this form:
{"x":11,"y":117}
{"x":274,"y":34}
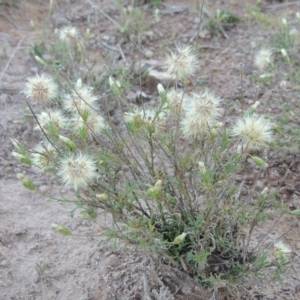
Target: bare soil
{"x":38,"y":263}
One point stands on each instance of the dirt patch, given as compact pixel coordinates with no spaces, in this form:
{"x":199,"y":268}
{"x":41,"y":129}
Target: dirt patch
{"x":36,"y":262}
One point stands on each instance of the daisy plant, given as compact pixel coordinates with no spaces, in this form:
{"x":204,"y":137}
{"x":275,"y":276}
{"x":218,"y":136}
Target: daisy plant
{"x":166,"y":174}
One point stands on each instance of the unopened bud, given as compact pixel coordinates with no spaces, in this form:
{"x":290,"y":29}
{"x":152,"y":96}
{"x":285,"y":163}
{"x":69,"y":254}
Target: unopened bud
{"x":285,"y":55}
{"x":180,"y":238}
{"x":266,"y":75}
{"x":32,"y":25}
{"x":255,"y":105}
{"x":265,"y":191}
{"x":283,"y":52}
{"x":259,"y":161}
{"x":218,"y":125}
{"x":69,"y":143}
{"x":158,"y":185}
{"x":79,"y":83}
{"x":284,"y":22}
{"x":62,"y":229}
{"x":202,"y":167}
{"x":283,"y":84}
{"x":26,"y":182}
{"x":115,"y":85}
{"x":177,"y":216}
{"x":40,"y":60}
{"x":87,"y":34}
{"x":24,"y":159}
{"x":156,"y":15}
{"x":102,"y":197}
{"x":160,"y":88}
{"x":51,"y":5}
{"x":155,"y":191}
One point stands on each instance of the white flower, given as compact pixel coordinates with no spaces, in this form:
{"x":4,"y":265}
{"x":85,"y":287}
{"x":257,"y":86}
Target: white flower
{"x":43,"y":156}
{"x":254,"y":132}
{"x":51,"y":118}
{"x":281,"y":249}
{"x":200,"y":113}
{"x":263,"y":58}
{"x":181,"y":62}
{"x":176,"y":99}
{"x":41,"y":88}
{"x":77,"y":170}
{"x":68,"y":34}
{"x":92,"y":123}
{"x":149,"y":117}
{"x":81,"y":98}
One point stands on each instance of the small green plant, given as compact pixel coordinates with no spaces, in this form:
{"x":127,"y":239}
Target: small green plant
{"x":132,"y":20}
{"x":3,"y":53}
{"x":266,"y":21}
{"x":279,"y":60}
{"x":9,"y":2}
{"x":65,"y":51}
{"x":283,"y":39}
{"x":221,"y":21}
{"x":166,"y":175}
{"x":156,"y":3}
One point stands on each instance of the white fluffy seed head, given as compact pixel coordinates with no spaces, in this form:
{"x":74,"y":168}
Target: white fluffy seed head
{"x":253,"y":132}
{"x":176,"y":100}
{"x":148,"y":117}
{"x":77,"y":170}
{"x":41,"y":88}
{"x":281,"y":249}
{"x":43,"y":156}
{"x":200,"y":113}
{"x":93,"y":123}
{"x":263,"y":58}
{"x":181,"y":62}
{"x":49,"y":118}
{"x":68,"y":34}
{"x":80,"y":99}
{"x":134,"y":118}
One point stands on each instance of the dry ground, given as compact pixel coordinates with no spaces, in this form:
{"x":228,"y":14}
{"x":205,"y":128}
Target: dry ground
{"x":37,"y":263}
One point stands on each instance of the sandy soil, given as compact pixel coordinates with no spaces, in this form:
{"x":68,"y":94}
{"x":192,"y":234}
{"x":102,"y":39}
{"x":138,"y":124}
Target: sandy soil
{"x":38,"y":263}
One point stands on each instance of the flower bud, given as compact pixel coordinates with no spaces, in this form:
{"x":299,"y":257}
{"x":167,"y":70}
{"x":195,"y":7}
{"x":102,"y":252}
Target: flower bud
{"x":160,"y":88}
{"x":115,"y":85}
{"x":40,"y":60}
{"x":69,"y":143}
{"x":259,"y":161}
{"x":158,"y":185}
{"x":284,"y":22}
{"x":202,"y":167}
{"x":156,"y":15}
{"x":285,"y":55}
{"x":266,"y":76}
{"x":26,"y":182}
{"x":32,"y":25}
{"x":265,"y":191}
{"x":102,"y":197}
{"x":24,"y":159}
{"x":79,"y":84}
{"x":179,"y":239}
{"x":61,"y":229}
{"x":255,"y":105}
{"x":87,"y":34}
{"x":155,"y":191}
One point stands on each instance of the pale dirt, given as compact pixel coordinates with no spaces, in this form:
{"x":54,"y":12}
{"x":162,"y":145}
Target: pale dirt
{"x":38,"y":263}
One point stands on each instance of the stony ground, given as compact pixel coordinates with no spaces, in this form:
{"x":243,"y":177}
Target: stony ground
{"x":36,"y":262}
